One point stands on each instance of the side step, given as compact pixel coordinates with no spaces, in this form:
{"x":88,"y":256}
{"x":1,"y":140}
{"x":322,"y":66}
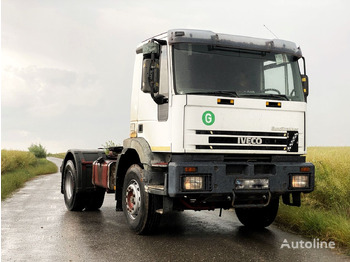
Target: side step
{"x":155,"y":189}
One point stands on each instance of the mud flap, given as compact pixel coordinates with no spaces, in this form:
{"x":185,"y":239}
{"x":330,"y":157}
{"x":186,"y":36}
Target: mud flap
{"x":295,"y":199}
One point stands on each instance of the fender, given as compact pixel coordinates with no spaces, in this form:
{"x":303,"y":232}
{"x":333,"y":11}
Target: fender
{"x":142,"y":148}
{"x":82,"y":160}
{"x":135,"y":151}
{"x":144,"y":152}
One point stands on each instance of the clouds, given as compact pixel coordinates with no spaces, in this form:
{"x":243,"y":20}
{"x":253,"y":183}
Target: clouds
{"x":45,"y":103}
{"x":64,"y":70}
{"x":67,"y":67}
{"x":42,"y":92}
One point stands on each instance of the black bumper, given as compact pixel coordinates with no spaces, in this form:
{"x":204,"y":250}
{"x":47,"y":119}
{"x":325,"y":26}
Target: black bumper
{"x":219,"y":177}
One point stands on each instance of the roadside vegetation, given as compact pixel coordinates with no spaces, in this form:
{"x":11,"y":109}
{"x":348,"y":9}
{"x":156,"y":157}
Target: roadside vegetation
{"x":38,"y":150}
{"x":324,"y":213}
{"x":17,"y":167}
{"x":58,"y":155}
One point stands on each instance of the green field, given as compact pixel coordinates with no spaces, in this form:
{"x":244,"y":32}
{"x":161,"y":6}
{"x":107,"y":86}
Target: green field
{"x":17,"y":167}
{"x":325,"y":213}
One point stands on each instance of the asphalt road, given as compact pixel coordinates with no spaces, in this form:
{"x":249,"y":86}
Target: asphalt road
{"x":36,"y":226}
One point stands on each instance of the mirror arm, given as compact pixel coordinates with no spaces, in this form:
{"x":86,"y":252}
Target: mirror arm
{"x":160,"y":99}
{"x":161,"y":42}
{"x":304,"y":65}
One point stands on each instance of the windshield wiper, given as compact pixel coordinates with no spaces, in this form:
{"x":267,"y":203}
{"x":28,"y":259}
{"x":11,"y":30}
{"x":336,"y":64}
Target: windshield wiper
{"x":220,"y":93}
{"x":271,"y":96}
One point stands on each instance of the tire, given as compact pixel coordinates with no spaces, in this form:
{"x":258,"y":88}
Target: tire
{"x":139,"y":206}
{"x":74,"y":201}
{"x":258,"y":217}
{"x":95,"y":199}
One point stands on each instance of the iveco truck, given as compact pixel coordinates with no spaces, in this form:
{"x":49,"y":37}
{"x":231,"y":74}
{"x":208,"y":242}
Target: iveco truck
{"x":217,"y":121}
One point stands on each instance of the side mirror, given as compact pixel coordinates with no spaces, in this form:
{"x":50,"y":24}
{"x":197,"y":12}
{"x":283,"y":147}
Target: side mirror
{"x":305,"y":84}
{"x":150,"y":76}
{"x":151,"y":71}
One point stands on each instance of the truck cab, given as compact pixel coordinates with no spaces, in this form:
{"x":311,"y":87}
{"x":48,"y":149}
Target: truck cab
{"x":217,"y":121}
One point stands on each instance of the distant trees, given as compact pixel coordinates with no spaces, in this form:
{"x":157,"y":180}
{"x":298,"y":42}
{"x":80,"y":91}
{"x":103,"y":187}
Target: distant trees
{"x":38,"y":150}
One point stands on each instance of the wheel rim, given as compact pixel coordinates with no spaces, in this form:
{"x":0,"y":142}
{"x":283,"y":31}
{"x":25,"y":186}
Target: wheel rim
{"x":133,"y":199}
{"x":68,"y":185}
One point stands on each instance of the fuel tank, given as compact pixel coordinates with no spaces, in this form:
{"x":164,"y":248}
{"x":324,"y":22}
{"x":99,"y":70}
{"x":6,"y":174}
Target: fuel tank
{"x":104,"y":172}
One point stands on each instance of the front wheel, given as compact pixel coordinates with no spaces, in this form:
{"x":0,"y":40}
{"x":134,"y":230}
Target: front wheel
{"x":258,"y":217}
{"x":139,"y":207}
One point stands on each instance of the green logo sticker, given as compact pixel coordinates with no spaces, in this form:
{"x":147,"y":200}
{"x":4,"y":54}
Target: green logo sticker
{"x":208,"y":118}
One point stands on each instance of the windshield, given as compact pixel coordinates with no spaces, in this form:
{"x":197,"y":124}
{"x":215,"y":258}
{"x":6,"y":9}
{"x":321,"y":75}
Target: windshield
{"x":206,"y":70}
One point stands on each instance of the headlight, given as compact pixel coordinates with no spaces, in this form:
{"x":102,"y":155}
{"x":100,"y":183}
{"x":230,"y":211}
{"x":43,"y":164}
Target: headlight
{"x":192,"y":183}
{"x":300,"y":181}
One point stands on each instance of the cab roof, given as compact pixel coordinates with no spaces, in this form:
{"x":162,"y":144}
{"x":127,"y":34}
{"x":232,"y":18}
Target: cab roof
{"x":232,"y":41}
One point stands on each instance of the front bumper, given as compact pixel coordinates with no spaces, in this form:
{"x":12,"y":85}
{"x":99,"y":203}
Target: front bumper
{"x":220,"y":178}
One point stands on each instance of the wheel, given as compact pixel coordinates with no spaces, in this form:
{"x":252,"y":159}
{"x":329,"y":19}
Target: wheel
{"x":138,"y":206}
{"x":273,"y":89}
{"x":258,"y":217}
{"x":95,"y":199}
{"x":74,"y":201}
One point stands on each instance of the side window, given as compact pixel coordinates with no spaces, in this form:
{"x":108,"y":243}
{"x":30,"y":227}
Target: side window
{"x":163,"y":109}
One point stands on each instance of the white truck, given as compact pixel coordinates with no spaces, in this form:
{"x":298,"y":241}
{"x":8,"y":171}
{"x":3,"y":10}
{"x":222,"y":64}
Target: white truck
{"x":217,"y":122}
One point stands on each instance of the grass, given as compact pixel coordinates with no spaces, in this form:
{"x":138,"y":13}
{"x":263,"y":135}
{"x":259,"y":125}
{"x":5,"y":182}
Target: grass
{"x":17,"y":167}
{"x":58,"y":155}
{"x":12,"y":159}
{"x":325,"y":213}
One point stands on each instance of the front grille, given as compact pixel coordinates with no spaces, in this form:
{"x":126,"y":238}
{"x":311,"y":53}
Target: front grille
{"x":280,"y":148}
{"x":239,"y":133}
{"x":234,"y":140}
{"x":251,"y":140}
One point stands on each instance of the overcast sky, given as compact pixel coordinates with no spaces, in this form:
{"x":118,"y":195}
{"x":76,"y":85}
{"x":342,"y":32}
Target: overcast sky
{"x":67,"y":65}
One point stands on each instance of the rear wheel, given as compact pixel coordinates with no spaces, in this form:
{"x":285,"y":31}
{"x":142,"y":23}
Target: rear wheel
{"x":74,"y":201}
{"x":139,"y":207}
{"x":258,"y":217}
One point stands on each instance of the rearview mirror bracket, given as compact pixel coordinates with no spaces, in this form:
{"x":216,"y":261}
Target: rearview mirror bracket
{"x":305,"y":80}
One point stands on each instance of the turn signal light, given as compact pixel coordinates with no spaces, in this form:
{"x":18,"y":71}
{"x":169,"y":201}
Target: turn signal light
{"x":190,"y":169}
{"x":305,"y":169}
